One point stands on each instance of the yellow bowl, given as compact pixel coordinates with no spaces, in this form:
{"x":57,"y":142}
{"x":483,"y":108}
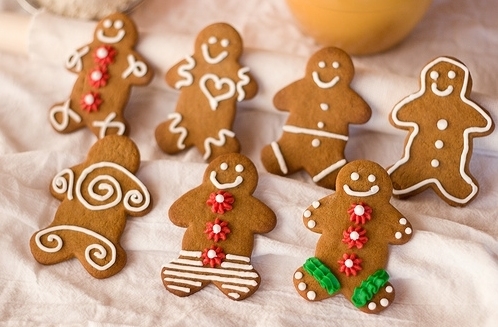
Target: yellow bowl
{"x":359,"y":27}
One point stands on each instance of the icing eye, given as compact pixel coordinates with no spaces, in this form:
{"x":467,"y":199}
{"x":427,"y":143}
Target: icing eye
{"x":371,"y":178}
{"x":225,"y":43}
{"x":355,"y":176}
{"x":118,"y":24}
{"x":451,"y":74}
{"x":212,"y":40}
{"x":239,"y":168}
{"x":324,"y":106}
{"x":224,"y":166}
{"x":321,"y":64}
{"x":434,"y":75}
{"x":335,"y":64}
{"x":107,"y":23}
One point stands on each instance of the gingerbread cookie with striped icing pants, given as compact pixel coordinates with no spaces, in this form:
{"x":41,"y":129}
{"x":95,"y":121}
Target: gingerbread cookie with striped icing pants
{"x":96,"y":198}
{"x":442,"y":121}
{"x":356,"y":223}
{"x":221,"y":217}
{"x":321,"y":106}
{"x":107,"y":68}
{"x":211,"y":82}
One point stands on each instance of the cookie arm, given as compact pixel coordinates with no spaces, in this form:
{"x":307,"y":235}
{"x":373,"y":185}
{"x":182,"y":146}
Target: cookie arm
{"x":247,"y":88}
{"x":180,"y":74}
{"x":75,"y":62}
{"x":399,"y":231}
{"x":137,"y":71}
{"x":263,"y":218}
{"x":184,"y":209}
{"x":360,"y":111}
{"x":282,"y":98}
{"x":312,"y":219}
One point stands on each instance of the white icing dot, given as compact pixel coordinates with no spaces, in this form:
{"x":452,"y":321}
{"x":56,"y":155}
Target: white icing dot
{"x":211,"y":254}
{"x":324,"y":106}
{"x":239,"y":168}
{"x":434,"y":75}
{"x":321,"y":64}
{"x":439,"y":144}
{"x":224,"y":166}
{"x":389,"y":289}
{"x":320,"y":124}
{"x":307,"y":213}
{"x":118,"y":24}
{"x":384,"y":302}
{"x":335,"y":64}
{"x":298,"y":275}
{"x":442,"y":124}
{"x":435,"y":163}
{"x":355,"y":176}
{"x":311,"y":223}
{"x":107,"y":23}
{"x":311,"y":295}
{"x":371,"y":178}
{"x":96,"y":75}
{"x":225,"y":43}
{"x":403,"y":221}
{"x":315,"y":143}
{"x":451,"y":74}
{"x":102,"y":52}
{"x":315,"y":204}
{"x":301,"y":286}
{"x":398,"y":235}
{"x":372,"y":306}
{"x":216,"y":228}
{"x":348,"y":263}
{"x":408,"y":230}
{"x":212,"y":40}
{"x":219,"y":198}
{"x":89,"y":99}
{"x":354,"y":236}
{"x":359,"y":210}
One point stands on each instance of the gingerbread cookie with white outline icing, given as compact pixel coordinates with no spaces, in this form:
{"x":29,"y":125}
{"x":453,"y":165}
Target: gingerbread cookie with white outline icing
{"x":356,"y":223}
{"x":442,"y":121}
{"x":321,"y":106}
{"x":221,"y":217}
{"x":96,"y":198}
{"x":107,"y":68}
{"x":211,"y":82}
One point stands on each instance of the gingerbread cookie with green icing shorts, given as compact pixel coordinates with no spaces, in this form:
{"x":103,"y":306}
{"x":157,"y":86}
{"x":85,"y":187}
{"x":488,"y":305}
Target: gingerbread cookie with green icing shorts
{"x":96,"y":198}
{"x":211,"y":83}
{"x":221,"y":217}
{"x":356,"y":224}
{"x":442,"y":121}
{"x":107,"y":68}
{"x":321,"y":106}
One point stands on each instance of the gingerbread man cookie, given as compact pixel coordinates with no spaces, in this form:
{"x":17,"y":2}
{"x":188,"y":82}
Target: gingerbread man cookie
{"x":107,"y":68}
{"x":321,"y":106}
{"x":442,"y":121}
{"x":221,"y":217}
{"x":356,"y":223}
{"x":96,"y":196}
{"x":211,"y":82}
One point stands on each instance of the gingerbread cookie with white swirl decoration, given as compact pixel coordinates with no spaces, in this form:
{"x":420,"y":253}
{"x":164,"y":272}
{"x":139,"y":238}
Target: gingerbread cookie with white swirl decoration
{"x":321,"y":106}
{"x":221,"y":217}
{"x":356,"y":223}
{"x":107,"y":68}
{"x":96,"y":198}
{"x":442,"y":121}
{"x":211,"y":82}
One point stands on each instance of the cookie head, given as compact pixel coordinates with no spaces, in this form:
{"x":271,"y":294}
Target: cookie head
{"x":219,"y":42}
{"x":232,"y":172}
{"x":116,"y":28}
{"x":364,"y":179}
{"x":329,"y":67}
{"x":447,"y":77}
{"x":117,"y":149}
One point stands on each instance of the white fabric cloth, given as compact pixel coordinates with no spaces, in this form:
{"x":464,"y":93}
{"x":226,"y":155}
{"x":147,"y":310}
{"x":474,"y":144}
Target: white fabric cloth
{"x":447,"y":275}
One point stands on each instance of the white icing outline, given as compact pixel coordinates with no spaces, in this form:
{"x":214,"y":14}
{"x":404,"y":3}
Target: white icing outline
{"x":314,"y":132}
{"x":218,"y":83}
{"x":108,"y":122}
{"x":184,"y":71}
{"x":74,"y":60}
{"x":415,"y":130}
{"x":175,"y":129}
{"x":136,"y":67}
{"x":212,"y":60}
{"x":373,"y":190}
{"x":223,"y":186}
{"x":67,"y":114}
{"x":318,"y":177}
{"x":280,"y":158}
{"x":244,"y":80}
{"x":135,"y":196}
{"x":222,"y":134}
{"x":321,"y":84}
{"x":61,"y":185}
{"x":110,"y":39}
{"x":101,"y":254}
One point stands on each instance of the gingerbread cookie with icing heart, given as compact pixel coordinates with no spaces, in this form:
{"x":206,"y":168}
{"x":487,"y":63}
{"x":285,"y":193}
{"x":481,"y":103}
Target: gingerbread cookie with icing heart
{"x":442,"y":121}
{"x":96,"y":198}
{"x":321,"y":106}
{"x":107,"y":68}
{"x":356,"y":223}
{"x":211,"y":82}
{"x":221,"y":217}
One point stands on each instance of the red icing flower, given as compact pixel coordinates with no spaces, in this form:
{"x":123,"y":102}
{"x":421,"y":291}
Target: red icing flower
{"x":217,"y":230}
{"x":98,"y":77}
{"x":354,"y":236}
{"x":212,"y":256}
{"x":90,"y":101}
{"x":359,"y":213}
{"x":220,"y":202}
{"x":104,"y":55}
{"x":350,"y":264}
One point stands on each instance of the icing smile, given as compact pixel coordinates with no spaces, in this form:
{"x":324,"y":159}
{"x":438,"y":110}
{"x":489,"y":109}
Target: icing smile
{"x":118,"y":24}
{"x":322,"y":84}
{"x":373,"y":190}
{"x":223,"y":186}
{"x":441,"y":93}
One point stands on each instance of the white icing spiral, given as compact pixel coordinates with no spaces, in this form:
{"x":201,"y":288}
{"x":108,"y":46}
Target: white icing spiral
{"x":62,"y":183}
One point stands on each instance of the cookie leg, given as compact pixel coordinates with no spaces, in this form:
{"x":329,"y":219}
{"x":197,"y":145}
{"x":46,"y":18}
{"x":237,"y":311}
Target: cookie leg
{"x":458,"y":192}
{"x":226,"y":142}
{"x":273,"y":159}
{"x":381,"y":300}
{"x":238,"y":280}
{"x":48,"y":247}
{"x":170,"y":136}
{"x":184,"y":276}
{"x":110,"y":125}
{"x":314,"y":281}
{"x":374,"y":294}
{"x":65,"y":119}
{"x":327,"y":177}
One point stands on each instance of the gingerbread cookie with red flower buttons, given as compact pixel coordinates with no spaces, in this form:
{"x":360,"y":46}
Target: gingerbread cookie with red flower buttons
{"x":356,"y":223}
{"x":221,"y":217}
{"x":107,"y":68}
